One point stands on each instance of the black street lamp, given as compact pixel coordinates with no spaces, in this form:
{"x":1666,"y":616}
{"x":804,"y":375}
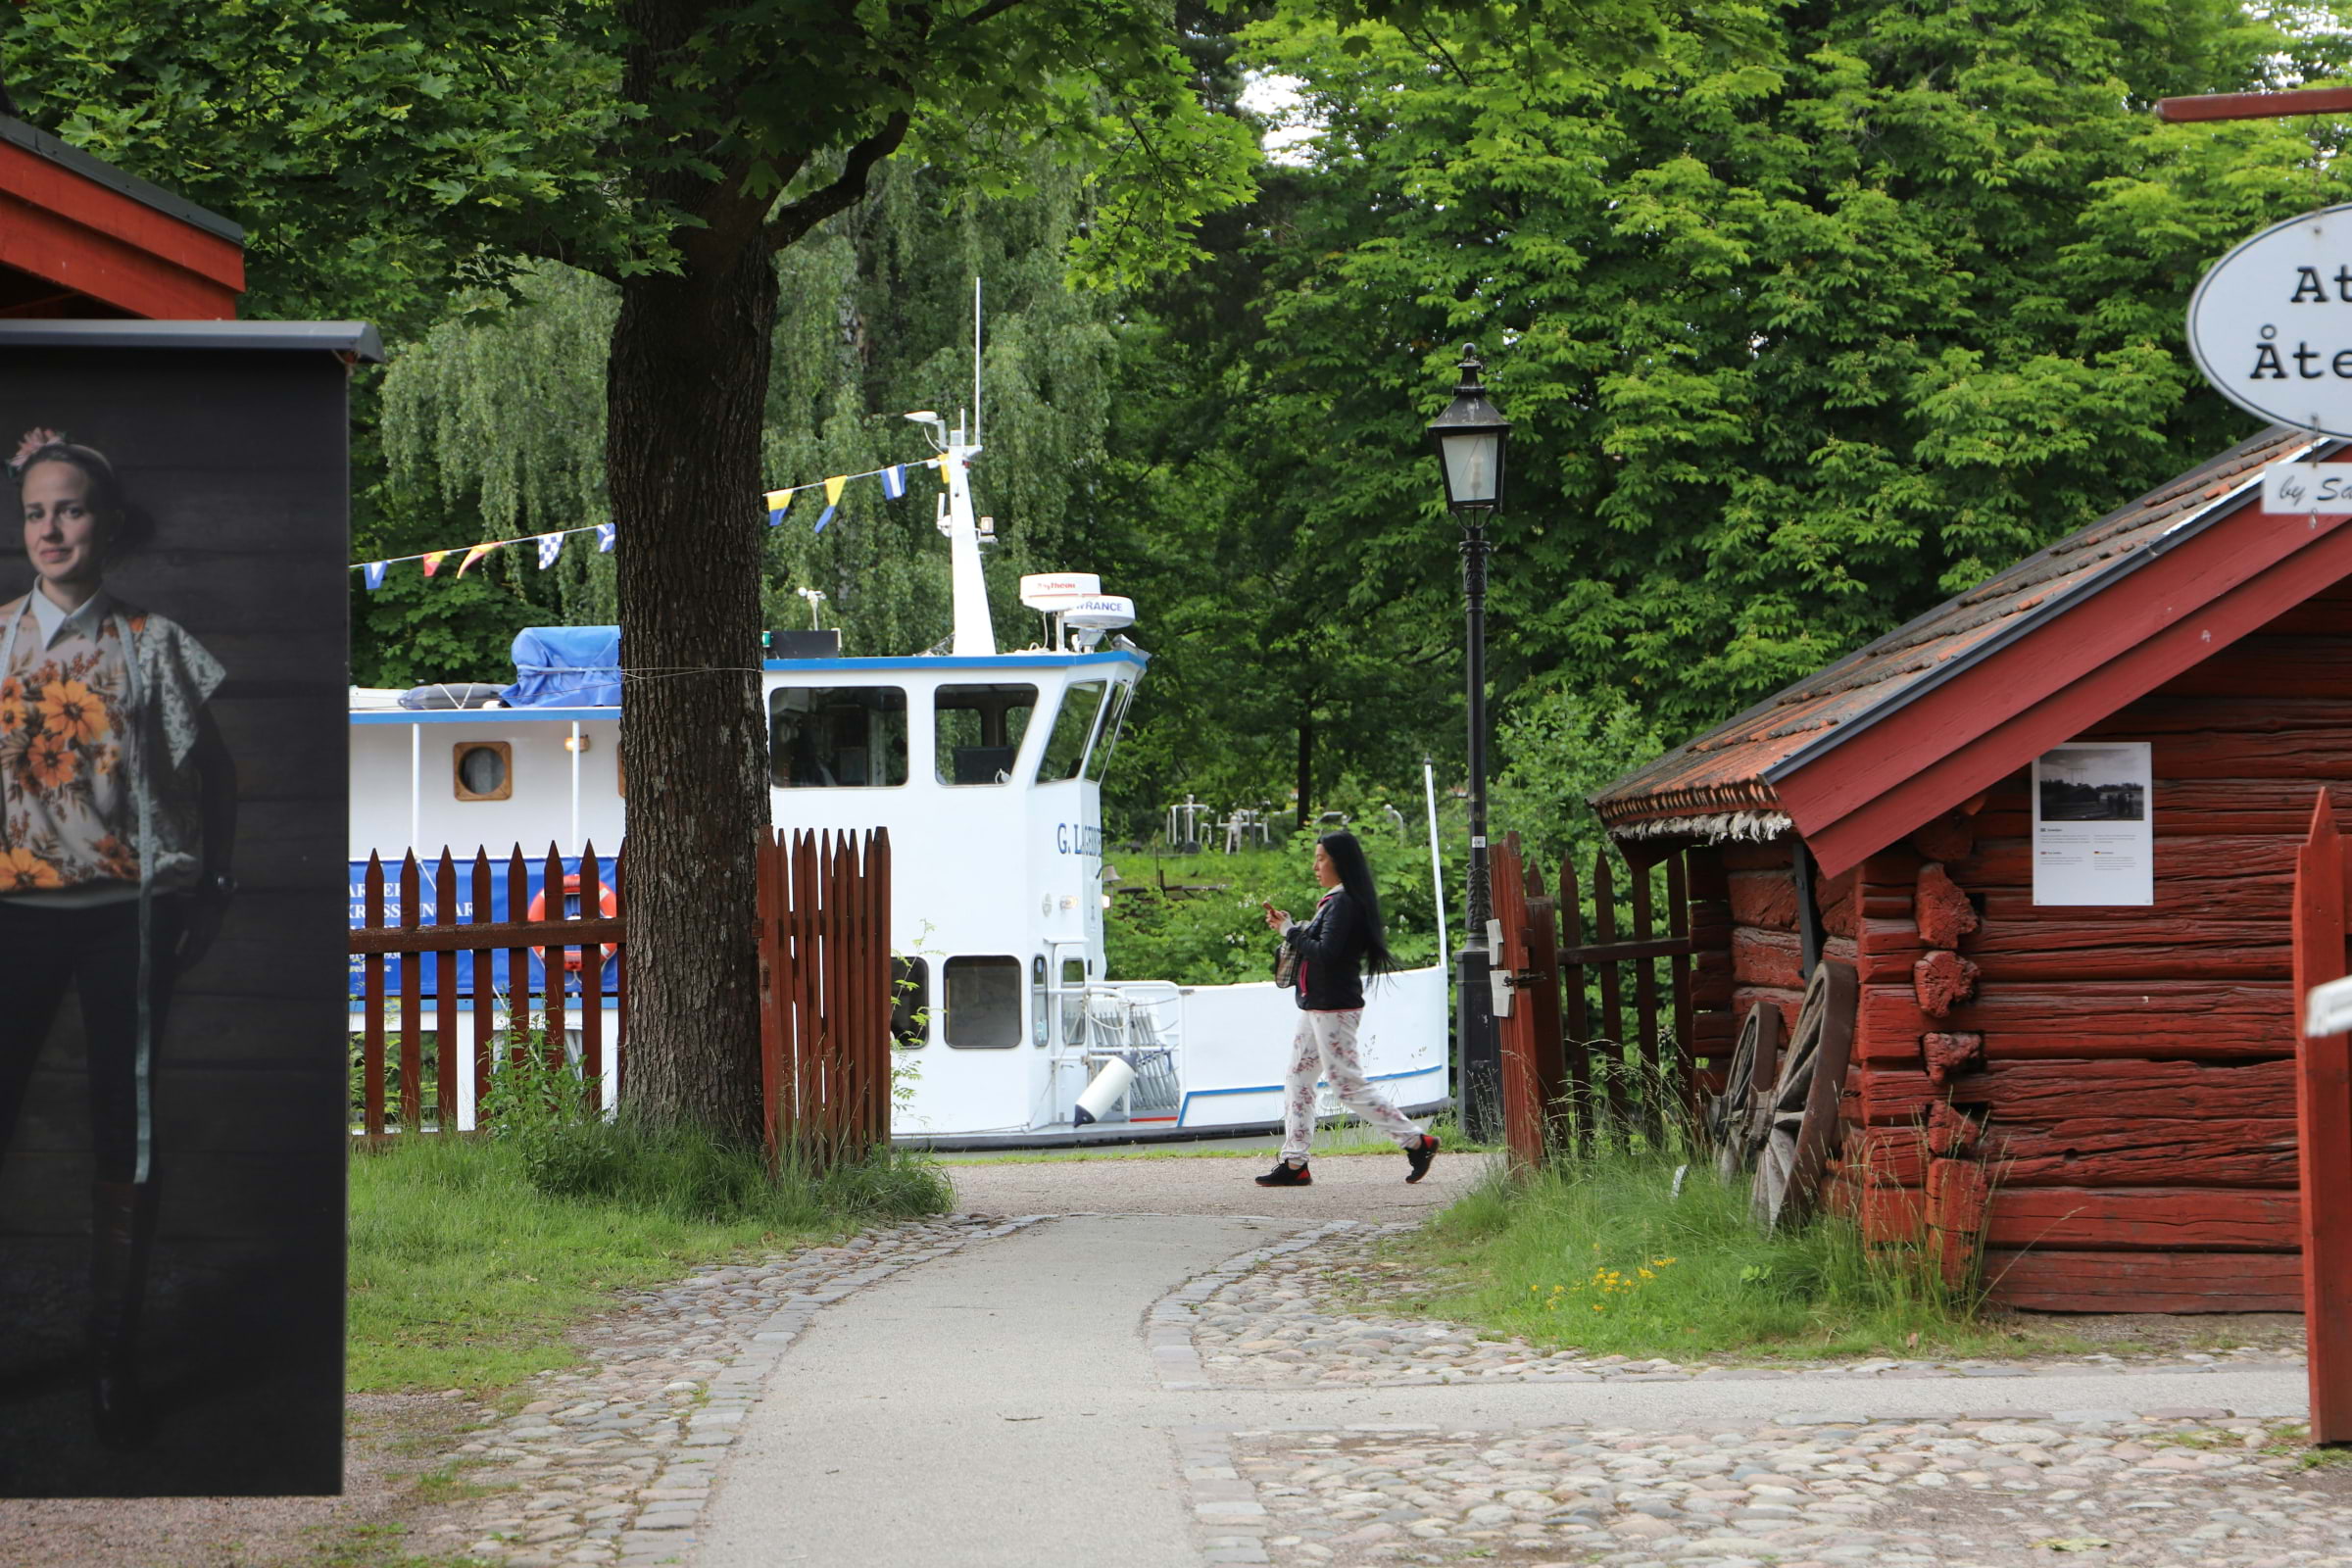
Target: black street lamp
{"x":1469,"y":437}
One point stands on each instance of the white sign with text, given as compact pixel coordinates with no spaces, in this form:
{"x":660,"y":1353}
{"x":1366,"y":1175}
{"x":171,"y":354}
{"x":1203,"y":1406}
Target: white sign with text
{"x":2302,"y":488}
{"x":2271,"y":323}
{"x":2093,"y":833}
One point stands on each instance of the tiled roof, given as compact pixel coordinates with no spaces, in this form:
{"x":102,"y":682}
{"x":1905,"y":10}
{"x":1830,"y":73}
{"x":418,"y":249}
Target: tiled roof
{"x":1731,"y":769}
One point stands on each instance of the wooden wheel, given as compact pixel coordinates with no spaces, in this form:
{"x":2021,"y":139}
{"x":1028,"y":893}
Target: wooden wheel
{"x":1755,"y":1059}
{"x":1798,"y":1121}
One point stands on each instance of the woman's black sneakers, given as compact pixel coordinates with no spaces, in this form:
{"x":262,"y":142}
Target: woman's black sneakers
{"x":1420,"y":1155}
{"x":1287,"y":1174}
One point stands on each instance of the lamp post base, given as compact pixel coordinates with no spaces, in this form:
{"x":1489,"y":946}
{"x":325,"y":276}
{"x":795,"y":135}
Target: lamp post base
{"x":1481,"y":1054}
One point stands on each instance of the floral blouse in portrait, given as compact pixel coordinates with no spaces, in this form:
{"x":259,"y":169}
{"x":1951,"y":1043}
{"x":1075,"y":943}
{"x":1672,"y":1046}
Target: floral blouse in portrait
{"x":73,"y":765}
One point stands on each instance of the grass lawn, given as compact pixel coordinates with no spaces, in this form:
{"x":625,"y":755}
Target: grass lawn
{"x":464,"y":1274}
{"x":1603,"y":1253}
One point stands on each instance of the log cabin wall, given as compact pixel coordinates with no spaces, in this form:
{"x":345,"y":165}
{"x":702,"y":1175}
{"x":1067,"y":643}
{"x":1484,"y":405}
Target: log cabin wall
{"x":2121,"y":1075}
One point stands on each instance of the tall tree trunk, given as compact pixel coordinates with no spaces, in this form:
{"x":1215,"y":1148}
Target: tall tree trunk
{"x":686,"y":387}
{"x":1307,"y":762}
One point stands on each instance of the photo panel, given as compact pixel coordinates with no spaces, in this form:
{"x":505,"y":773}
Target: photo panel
{"x":172,"y":924}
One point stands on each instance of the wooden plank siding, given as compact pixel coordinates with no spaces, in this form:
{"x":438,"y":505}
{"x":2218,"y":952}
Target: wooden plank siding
{"x":2135,"y":1079}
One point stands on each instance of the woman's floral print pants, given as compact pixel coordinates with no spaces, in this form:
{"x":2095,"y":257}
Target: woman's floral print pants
{"x":1325,"y":1047}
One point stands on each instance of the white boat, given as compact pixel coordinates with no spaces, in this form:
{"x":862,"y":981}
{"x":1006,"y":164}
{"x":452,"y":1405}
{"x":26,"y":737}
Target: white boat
{"x":986,"y":768}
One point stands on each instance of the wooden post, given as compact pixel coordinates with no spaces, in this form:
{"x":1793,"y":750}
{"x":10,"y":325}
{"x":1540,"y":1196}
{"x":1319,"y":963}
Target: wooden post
{"x":552,"y":956}
{"x":371,"y":1030}
{"x":1575,"y":1023}
{"x":592,"y":976}
{"x":1612,"y":1012}
{"x":1541,"y":999}
{"x":518,"y":960}
{"x":1522,"y":1098}
{"x":445,"y":999}
{"x":2324,"y":1127}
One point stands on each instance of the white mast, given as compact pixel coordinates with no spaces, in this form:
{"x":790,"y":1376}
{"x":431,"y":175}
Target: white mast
{"x":976,"y":633}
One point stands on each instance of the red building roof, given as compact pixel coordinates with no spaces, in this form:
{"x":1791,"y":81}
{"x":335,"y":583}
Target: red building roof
{"x":1891,"y":736}
{"x":81,"y":238}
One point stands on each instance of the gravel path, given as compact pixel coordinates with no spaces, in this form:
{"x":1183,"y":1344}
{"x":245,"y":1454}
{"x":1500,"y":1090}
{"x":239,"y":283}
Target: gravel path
{"x":612,"y":1461}
{"x":2101,"y":1488}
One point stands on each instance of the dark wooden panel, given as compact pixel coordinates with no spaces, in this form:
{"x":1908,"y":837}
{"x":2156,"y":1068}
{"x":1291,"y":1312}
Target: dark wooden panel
{"x":217,"y":1111}
{"x":2052,"y":1281}
{"x":279,"y":1202}
{"x":2272,"y":665}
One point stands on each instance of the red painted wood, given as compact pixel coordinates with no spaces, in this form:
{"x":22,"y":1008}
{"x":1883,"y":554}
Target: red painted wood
{"x":2051,"y":1280}
{"x":2041,"y":1092}
{"x":110,"y":248}
{"x":592,"y":971}
{"x":2194,"y":1019}
{"x":1575,"y":1023}
{"x":1839,"y":897}
{"x":1942,"y":980}
{"x":1749,"y":855}
{"x":1767,"y":958}
{"x":2096,"y":1151}
{"x":1939,"y":908}
{"x":2059,"y":680}
{"x":2144,"y":1218}
{"x":518,"y":960}
{"x":1766,"y":900}
{"x":1522,"y":1093}
{"x":2274,"y":664}
{"x":2254,"y":105}
{"x":2323,"y":1123}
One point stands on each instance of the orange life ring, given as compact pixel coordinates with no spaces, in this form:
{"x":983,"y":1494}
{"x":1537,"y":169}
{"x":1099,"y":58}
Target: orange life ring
{"x":605,"y":902}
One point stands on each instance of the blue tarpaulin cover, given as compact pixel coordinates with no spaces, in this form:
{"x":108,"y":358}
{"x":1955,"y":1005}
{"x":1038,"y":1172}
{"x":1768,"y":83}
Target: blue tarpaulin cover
{"x":567,"y":666}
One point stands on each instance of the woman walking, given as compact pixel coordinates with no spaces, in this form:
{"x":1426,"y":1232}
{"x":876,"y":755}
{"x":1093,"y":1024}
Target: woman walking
{"x":1334,"y":950}
{"x":118,"y":808}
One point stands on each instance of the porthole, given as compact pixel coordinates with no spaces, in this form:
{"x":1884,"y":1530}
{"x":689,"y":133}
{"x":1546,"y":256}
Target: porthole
{"x":485,"y":770}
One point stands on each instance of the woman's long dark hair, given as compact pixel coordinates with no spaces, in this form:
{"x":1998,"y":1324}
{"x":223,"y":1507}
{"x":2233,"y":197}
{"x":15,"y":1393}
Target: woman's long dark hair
{"x":1347,"y":854}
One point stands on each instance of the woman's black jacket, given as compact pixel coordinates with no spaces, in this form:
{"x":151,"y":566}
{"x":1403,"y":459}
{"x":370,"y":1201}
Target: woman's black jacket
{"x":1331,"y":954}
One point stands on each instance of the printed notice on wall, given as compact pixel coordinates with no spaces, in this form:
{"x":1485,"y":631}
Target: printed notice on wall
{"x":2093,"y":842}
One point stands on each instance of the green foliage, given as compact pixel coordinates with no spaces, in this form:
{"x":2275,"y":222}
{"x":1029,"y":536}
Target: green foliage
{"x":1197,"y":919}
{"x":1805,"y":317}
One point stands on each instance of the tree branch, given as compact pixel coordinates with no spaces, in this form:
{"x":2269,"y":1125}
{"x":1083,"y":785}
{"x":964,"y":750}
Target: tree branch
{"x":847,"y":188}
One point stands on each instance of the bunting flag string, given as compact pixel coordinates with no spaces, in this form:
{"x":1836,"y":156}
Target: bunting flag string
{"x":551,"y":545}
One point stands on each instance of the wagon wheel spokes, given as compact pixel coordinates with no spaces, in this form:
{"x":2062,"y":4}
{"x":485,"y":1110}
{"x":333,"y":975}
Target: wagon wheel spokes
{"x":1753,"y":1060}
{"x":1797,"y":1122}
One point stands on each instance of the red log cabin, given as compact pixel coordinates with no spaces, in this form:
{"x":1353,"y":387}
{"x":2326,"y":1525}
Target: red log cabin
{"x":2104,"y":1094}
{"x":81,"y":238}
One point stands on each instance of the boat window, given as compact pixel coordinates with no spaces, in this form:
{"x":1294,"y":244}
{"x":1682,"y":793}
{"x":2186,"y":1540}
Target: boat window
{"x":909,"y":1003}
{"x":484,"y":770}
{"x":1065,"y":748}
{"x":847,"y":736}
{"x":983,"y":1003}
{"x":1073,"y":997}
{"x":979,"y":730}
{"x":1097,"y":760}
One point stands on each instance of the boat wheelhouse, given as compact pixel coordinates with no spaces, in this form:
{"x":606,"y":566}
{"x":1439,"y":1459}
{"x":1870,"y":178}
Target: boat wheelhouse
{"x":986,"y":767}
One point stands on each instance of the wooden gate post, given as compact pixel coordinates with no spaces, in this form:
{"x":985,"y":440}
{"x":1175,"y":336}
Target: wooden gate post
{"x":2324,"y":1128}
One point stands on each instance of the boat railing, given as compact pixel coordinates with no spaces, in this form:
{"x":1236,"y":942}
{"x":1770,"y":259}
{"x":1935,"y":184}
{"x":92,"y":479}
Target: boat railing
{"x":1142,"y":1023}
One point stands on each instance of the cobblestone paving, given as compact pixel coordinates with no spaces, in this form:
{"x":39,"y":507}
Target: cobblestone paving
{"x":1278,"y":1317}
{"x":610,"y":1462}
{"x":2170,"y":1487}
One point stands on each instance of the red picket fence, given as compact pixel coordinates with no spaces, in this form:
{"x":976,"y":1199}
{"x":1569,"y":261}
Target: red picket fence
{"x":825,"y":991}
{"x":1568,"y":1064}
{"x":2322,"y":911}
{"x":825,"y":972}
{"x":519,"y":937}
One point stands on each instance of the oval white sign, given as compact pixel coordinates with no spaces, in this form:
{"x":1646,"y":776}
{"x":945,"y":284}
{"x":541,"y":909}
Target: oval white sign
{"x":2271,"y":323}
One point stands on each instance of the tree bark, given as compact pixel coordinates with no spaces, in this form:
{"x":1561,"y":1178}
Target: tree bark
{"x":685,"y":387}
{"x":1305,"y":777}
